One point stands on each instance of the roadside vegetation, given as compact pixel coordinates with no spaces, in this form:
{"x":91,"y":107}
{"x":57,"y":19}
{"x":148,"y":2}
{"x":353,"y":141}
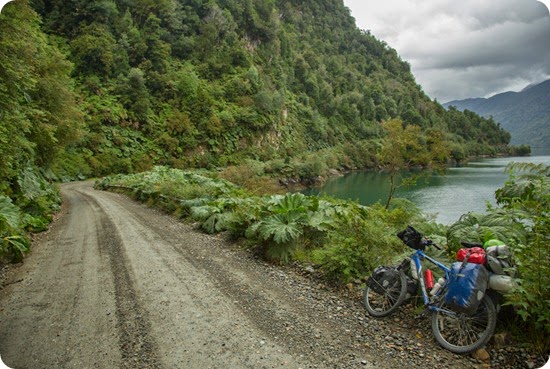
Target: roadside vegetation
{"x":345,"y":240}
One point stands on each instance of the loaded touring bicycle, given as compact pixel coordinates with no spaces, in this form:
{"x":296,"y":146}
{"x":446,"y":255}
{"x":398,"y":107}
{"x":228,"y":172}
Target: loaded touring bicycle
{"x":463,"y":314}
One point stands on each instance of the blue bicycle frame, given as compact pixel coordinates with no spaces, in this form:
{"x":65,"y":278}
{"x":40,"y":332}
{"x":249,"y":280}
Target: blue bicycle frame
{"x":417,"y":257}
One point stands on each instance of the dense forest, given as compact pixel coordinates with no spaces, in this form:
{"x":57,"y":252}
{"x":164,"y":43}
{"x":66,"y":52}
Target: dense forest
{"x":209,"y":83}
{"x":90,"y":88}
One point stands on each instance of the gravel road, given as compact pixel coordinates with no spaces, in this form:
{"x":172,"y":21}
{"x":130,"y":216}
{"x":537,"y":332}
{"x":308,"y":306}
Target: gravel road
{"x":114,"y":284}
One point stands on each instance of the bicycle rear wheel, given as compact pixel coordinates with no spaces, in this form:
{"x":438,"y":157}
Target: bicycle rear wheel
{"x":460,"y":333}
{"x":382,"y":299}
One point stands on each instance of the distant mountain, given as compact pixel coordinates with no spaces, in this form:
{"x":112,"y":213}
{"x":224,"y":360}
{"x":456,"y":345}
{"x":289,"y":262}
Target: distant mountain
{"x":525,"y":114}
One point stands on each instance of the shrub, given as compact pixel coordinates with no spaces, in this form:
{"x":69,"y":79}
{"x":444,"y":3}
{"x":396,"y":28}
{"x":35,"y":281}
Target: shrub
{"x":283,"y":222}
{"x":522,"y":222}
{"x":528,"y":194}
{"x":360,"y":241}
{"x":14,"y":243}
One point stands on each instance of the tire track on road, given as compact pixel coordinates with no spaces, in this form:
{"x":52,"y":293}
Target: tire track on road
{"x":135,"y":342}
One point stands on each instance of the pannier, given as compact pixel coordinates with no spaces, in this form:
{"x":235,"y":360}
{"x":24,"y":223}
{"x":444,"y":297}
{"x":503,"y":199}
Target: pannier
{"x":502,"y":283}
{"x":382,"y":279}
{"x":467,"y":285}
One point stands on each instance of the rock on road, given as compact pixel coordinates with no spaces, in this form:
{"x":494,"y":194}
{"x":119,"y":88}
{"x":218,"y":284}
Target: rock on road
{"x":114,"y":284}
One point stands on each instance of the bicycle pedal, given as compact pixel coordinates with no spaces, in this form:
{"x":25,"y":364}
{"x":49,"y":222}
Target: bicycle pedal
{"x":424,"y":313}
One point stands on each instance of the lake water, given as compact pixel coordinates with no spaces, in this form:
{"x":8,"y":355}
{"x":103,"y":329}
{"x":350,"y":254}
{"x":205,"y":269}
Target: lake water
{"x":459,"y":191}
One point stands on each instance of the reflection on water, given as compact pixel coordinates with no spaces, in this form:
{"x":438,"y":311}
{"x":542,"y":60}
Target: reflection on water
{"x":459,"y":191}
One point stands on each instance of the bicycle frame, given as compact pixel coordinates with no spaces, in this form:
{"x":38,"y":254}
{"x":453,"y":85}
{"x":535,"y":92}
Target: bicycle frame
{"x":417,"y":257}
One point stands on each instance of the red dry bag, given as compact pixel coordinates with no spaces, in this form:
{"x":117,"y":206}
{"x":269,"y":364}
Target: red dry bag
{"x":474,"y":255}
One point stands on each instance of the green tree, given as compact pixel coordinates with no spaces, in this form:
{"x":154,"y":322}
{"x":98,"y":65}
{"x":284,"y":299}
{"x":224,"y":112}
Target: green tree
{"x":93,"y":51}
{"x":407,"y":146}
{"x":135,"y":95}
{"x":39,"y":118}
{"x":256,"y":78}
{"x":35,"y":87}
{"x":399,"y":149}
{"x":19,"y":37}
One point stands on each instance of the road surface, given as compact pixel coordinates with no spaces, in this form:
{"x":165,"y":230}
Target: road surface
{"x":115,"y":284}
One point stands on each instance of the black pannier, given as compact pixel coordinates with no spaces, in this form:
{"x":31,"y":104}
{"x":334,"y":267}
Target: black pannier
{"x":382,"y":279}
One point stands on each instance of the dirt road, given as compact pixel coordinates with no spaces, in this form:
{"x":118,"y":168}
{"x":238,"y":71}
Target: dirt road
{"x":115,"y":284}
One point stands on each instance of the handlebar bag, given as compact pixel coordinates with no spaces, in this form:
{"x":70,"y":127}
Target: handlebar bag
{"x":412,"y":238}
{"x":474,"y":255}
{"x":467,"y":285}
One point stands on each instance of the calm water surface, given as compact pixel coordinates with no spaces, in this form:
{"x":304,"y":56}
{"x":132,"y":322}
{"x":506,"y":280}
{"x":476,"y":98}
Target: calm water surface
{"x":459,"y":191}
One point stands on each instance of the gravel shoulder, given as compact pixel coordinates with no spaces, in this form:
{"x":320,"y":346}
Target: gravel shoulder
{"x":114,"y":284}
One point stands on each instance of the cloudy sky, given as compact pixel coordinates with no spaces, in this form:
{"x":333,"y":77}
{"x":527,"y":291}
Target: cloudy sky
{"x":467,"y":48}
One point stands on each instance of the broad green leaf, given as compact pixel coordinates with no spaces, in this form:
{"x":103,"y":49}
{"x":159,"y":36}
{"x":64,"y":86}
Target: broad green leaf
{"x":9,"y":214}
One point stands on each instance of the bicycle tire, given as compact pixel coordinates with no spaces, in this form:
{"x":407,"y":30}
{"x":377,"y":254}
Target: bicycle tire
{"x":460,"y":333}
{"x":384,"y":304}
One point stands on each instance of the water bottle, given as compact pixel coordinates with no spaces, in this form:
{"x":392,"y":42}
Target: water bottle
{"x":440,"y":283}
{"x":429,"y":279}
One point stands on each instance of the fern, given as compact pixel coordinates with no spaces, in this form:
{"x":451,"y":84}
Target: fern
{"x":215,"y":223}
{"x":13,"y":243}
{"x":498,"y":224}
{"x":196,"y":202}
{"x":15,"y":247}
{"x":202,"y":213}
{"x":32,"y":185}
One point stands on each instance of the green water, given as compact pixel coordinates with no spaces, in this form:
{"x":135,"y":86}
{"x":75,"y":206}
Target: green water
{"x":448,"y":196}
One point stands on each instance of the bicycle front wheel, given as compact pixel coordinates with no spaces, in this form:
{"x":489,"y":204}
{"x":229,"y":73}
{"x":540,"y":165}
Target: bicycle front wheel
{"x":382,"y":299}
{"x":460,"y":333}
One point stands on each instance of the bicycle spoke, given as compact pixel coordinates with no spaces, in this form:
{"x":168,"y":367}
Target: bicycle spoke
{"x":383,"y":300}
{"x":461,"y":333}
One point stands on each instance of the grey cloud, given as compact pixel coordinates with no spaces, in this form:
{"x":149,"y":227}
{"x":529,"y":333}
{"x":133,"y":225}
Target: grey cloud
{"x":464,"y":49}
{"x":506,"y":43}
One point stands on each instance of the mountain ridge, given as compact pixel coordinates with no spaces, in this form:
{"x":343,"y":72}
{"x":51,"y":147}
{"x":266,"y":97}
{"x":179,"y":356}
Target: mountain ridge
{"x":525,"y":114}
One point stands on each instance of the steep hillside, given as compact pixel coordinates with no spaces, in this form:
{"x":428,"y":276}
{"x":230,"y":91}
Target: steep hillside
{"x":210,"y":83}
{"x":93,"y":88}
{"x":525,"y":114}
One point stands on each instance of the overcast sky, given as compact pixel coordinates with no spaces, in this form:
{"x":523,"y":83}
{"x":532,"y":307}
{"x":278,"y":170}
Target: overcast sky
{"x":466,"y":48}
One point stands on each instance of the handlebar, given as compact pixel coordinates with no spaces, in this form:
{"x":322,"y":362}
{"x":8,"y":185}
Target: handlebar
{"x":428,"y":242}
{"x":415,"y":240}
